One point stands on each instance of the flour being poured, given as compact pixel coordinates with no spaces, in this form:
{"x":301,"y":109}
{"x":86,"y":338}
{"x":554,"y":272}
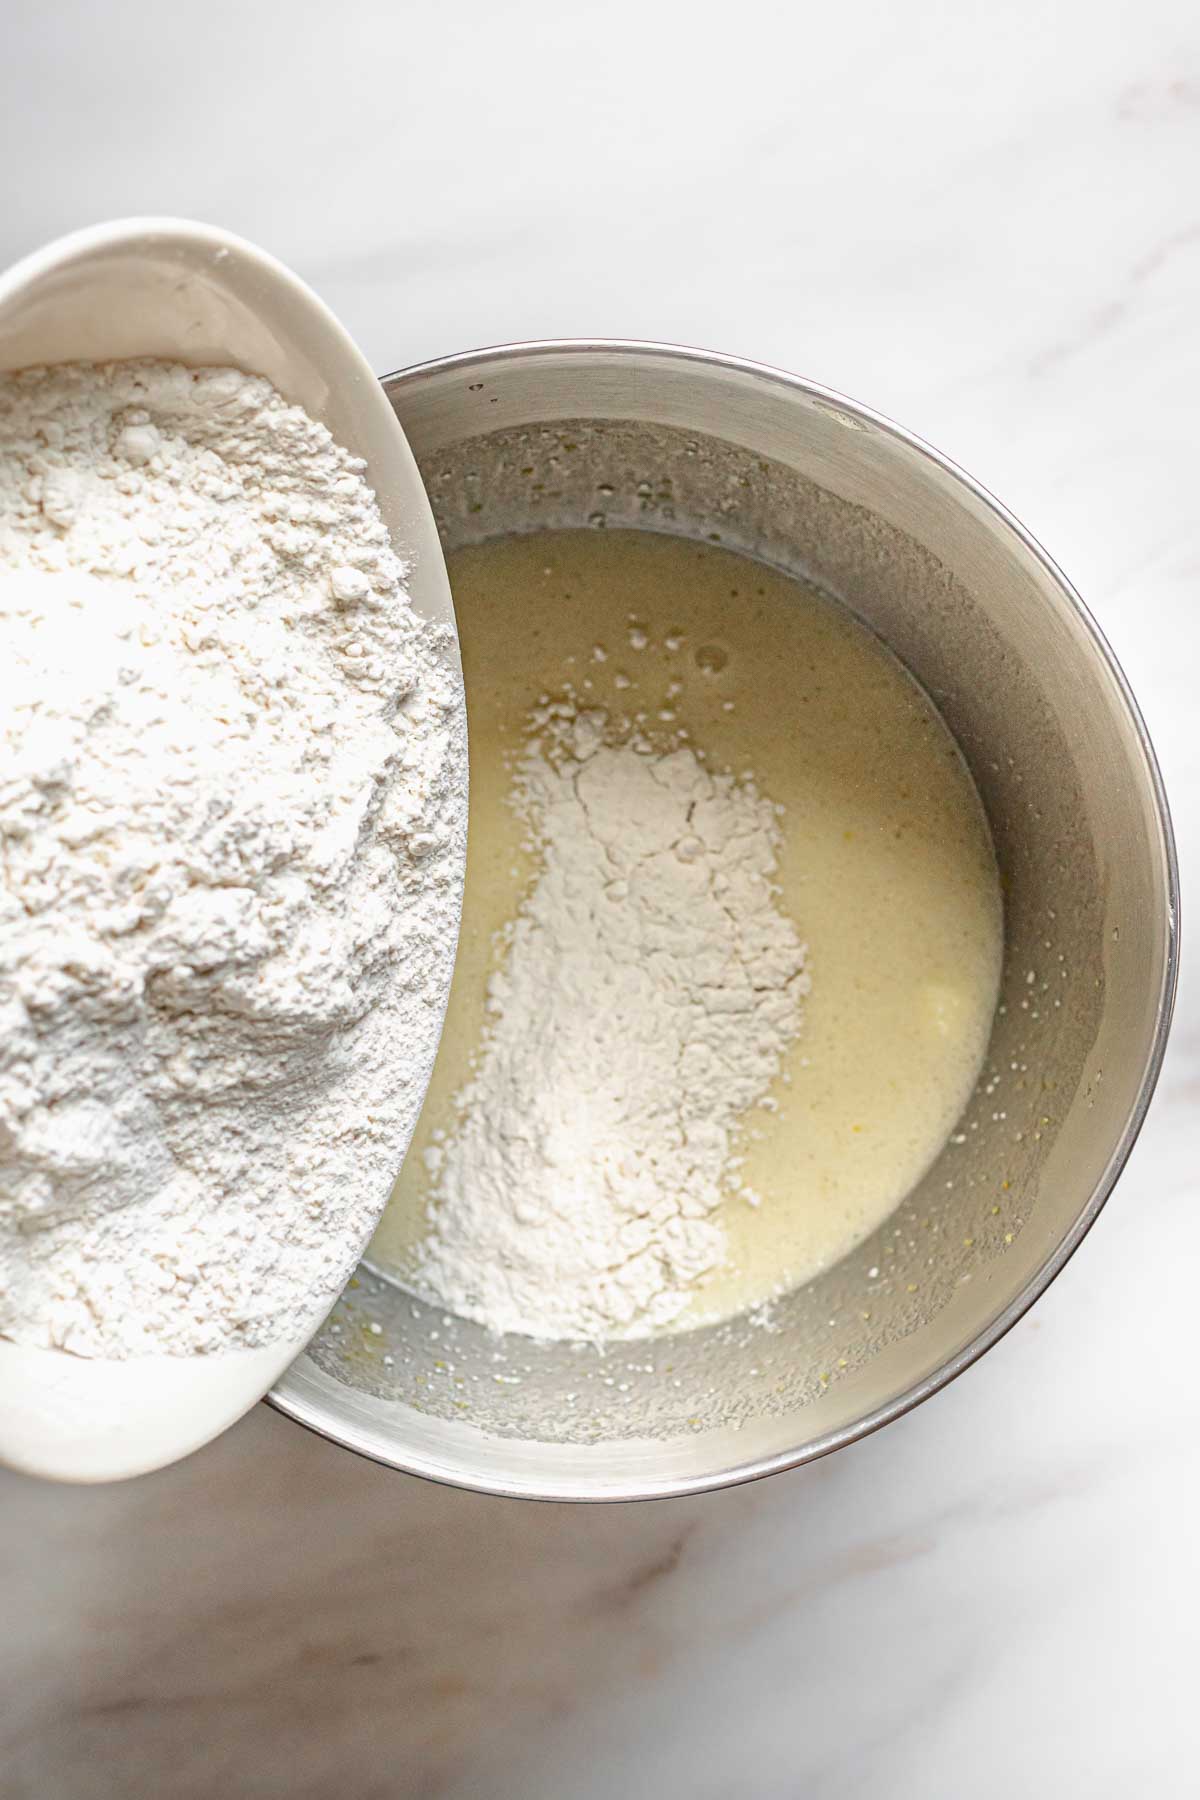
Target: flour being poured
{"x":231,"y":828}
{"x":650,"y":987}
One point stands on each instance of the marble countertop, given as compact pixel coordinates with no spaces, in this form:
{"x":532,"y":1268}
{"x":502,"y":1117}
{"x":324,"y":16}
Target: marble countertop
{"x":984,"y":221}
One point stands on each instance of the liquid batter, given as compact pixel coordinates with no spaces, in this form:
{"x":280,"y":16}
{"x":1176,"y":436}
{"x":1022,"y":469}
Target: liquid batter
{"x":885,"y":865}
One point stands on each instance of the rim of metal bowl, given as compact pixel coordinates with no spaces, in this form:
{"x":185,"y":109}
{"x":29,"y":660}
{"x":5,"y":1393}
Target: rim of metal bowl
{"x":313,"y":1417}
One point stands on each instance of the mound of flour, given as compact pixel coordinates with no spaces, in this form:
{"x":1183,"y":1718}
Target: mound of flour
{"x":232,"y":817}
{"x":650,"y":988}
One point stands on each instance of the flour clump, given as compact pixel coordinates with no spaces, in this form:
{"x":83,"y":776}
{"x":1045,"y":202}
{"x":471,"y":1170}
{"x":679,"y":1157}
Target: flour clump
{"x":650,"y":986}
{"x":232,"y":818}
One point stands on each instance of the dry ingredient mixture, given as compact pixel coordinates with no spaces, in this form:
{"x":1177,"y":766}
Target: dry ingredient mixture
{"x":231,"y":829}
{"x":642,"y":1116}
{"x":650,"y":986}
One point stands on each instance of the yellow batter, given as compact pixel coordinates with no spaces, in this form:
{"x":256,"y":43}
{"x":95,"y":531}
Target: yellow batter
{"x":886,"y":864}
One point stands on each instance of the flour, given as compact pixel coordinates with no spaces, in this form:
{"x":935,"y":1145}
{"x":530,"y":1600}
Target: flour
{"x":231,"y":828}
{"x":650,"y":988}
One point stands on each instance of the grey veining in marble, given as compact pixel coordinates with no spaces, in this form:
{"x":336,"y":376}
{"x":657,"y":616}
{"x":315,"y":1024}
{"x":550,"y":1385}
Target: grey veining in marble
{"x":984,"y":221}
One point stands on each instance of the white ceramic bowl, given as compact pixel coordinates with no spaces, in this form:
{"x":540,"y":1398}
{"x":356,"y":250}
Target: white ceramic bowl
{"x":170,"y":288}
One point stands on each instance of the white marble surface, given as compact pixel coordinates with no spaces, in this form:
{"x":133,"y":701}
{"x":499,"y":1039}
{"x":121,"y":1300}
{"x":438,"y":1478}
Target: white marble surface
{"x":985,"y":221}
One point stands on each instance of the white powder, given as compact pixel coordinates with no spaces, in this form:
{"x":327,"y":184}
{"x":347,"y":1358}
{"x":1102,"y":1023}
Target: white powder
{"x":650,"y":988}
{"x":231,"y":828}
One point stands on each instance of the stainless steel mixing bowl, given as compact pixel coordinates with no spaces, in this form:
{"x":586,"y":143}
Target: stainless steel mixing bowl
{"x":558,"y":434}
